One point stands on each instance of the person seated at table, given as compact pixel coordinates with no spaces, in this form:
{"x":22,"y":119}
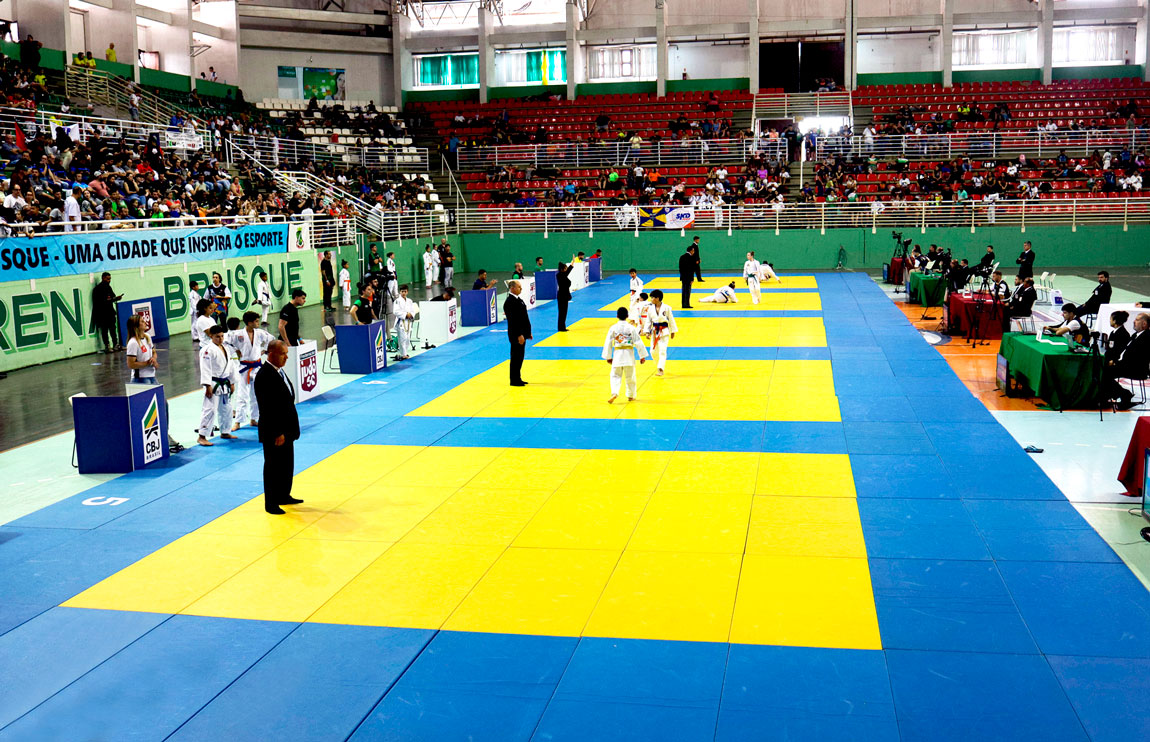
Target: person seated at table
{"x":1022,"y":301}
{"x":481,"y":283}
{"x":958,"y":275}
{"x":1118,"y":338}
{"x":933,"y":255}
{"x":999,"y":290}
{"x":1069,"y":324}
{"x":1133,"y":362}
{"x":1100,"y":296}
{"x":917,"y":260}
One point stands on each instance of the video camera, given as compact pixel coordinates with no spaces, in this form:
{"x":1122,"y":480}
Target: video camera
{"x":897,"y":236}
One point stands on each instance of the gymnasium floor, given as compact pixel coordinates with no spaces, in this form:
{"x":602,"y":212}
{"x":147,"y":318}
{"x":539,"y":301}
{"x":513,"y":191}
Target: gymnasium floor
{"x":808,"y":530}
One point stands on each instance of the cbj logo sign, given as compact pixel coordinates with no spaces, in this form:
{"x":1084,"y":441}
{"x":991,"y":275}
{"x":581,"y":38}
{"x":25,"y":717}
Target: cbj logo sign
{"x":308,"y":371}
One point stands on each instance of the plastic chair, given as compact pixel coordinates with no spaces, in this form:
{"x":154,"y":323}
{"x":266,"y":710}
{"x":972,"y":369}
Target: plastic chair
{"x":328,"y":345}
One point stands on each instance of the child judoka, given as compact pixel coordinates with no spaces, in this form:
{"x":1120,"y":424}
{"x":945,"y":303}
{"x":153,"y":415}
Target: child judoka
{"x":405,"y":311}
{"x":637,"y":312}
{"x":636,"y":284}
{"x":767,"y":272}
{"x":218,"y":377}
{"x":751,"y":276}
{"x":722,"y":295}
{"x":659,"y":325}
{"x":250,"y":343}
{"x":619,"y":350}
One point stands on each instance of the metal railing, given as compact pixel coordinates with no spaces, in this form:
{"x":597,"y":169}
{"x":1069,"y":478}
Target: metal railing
{"x":774,"y":106}
{"x":875,"y":216}
{"x":104,"y":88}
{"x":983,"y":144}
{"x":84,"y":127}
{"x":274,"y":151}
{"x":617,"y":153}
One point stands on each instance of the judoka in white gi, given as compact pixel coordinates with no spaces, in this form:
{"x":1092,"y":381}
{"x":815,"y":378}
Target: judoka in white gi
{"x":194,"y":307}
{"x":251,"y":343}
{"x":263,"y":297}
{"x":660,"y":326}
{"x":218,"y":377}
{"x":203,"y":322}
{"x":767,"y":272}
{"x":722,"y":295}
{"x":636,"y":284}
{"x":345,"y":286}
{"x":751,"y":276}
{"x":619,"y":349}
{"x":405,"y":313}
{"x":637,"y":312}
{"x":390,"y":296}
{"x":430,"y":266}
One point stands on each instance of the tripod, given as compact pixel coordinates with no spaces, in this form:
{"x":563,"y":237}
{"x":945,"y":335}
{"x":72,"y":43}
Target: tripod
{"x":976,"y":333}
{"x":900,"y":252}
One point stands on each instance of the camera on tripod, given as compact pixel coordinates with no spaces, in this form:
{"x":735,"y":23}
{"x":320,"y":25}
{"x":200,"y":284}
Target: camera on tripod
{"x":897,"y":236}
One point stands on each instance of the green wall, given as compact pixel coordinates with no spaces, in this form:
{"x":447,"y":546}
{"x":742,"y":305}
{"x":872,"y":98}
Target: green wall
{"x":900,"y":78}
{"x":215,"y":89}
{"x":1099,"y":72}
{"x":614,"y":88}
{"x":51,"y":319}
{"x":1089,"y":247}
{"x":166,"y":80}
{"x":119,"y":69}
{"x":714,"y":83}
{"x":423,"y":96}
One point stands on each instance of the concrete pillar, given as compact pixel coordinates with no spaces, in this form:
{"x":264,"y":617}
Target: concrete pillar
{"x":402,"y":66}
{"x":486,"y":54}
{"x":946,"y":43}
{"x":43,"y":21}
{"x":753,"y":46}
{"x":575,"y":66}
{"x":1046,"y":41}
{"x":851,"y":45}
{"x":1142,"y":55}
{"x":662,"y":52}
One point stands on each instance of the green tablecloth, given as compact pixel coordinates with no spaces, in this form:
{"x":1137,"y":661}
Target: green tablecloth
{"x":1064,"y":379}
{"x":927,"y":289}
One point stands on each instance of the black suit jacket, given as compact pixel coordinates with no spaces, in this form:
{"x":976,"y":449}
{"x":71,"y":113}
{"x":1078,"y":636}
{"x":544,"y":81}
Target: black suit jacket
{"x":1022,"y":302}
{"x":563,"y":279}
{"x":518,"y":323}
{"x":1101,"y":295}
{"x":277,"y":406}
{"x":1026,"y":264}
{"x":1135,"y":363}
{"x":1116,"y":343}
{"x":687,"y":264}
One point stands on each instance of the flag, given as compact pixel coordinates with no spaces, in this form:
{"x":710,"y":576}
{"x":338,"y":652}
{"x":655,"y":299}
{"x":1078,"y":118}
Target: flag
{"x":667,"y":217}
{"x":21,"y":139}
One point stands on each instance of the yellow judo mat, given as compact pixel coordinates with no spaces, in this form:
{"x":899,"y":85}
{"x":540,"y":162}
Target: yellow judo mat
{"x":767,"y":302}
{"x":789,"y":390}
{"x":760,"y":548}
{"x":746,"y":547}
{"x":711,"y":283}
{"x":707,"y":332}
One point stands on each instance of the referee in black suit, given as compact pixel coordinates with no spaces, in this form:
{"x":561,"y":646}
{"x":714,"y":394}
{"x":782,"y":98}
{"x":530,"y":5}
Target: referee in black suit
{"x":687,"y":265}
{"x":518,"y":331}
{"x":1025,"y":261}
{"x":279,"y":428}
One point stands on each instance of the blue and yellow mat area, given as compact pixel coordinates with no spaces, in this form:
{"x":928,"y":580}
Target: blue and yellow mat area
{"x":807,"y":530}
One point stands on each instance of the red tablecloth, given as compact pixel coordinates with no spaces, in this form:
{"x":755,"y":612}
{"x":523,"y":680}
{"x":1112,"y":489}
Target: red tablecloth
{"x":1131,"y":473}
{"x":896,"y":271}
{"x":966,"y":311}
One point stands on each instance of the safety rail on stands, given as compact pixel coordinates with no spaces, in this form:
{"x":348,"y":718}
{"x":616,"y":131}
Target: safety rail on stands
{"x":326,"y":232}
{"x":385,"y":225}
{"x":874,"y":216}
{"x":135,"y":132}
{"x":96,"y":86}
{"x":617,"y":153}
{"x":984,"y":144}
{"x":453,"y":187}
{"x":272,"y":151}
{"x":776,"y":106}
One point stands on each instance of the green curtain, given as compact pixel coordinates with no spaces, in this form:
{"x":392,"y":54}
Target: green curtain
{"x":534,"y":66}
{"x":450,"y":69}
{"x":557,"y":65}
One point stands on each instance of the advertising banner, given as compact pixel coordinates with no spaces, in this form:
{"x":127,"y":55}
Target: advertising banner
{"x":71,"y":253}
{"x":666,"y":217}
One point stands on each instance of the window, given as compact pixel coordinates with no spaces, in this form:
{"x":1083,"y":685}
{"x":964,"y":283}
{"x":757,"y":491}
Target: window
{"x":1093,"y":45}
{"x":447,"y":71}
{"x":622,"y":63}
{"x":545,"y":66}
{"x":994,"y":48}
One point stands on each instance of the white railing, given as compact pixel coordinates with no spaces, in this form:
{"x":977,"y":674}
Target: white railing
{"x":602,"y":153}
{"x":96,"y":86}
{"x":822,"y":216}
{"x":775,"y":106}
{"x":275,"y":151}
{"x":84,"y":127}
{"x":984,"y":144}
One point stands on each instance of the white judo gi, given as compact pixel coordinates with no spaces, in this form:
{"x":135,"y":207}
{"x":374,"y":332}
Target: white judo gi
{"x":250,"y":350}
{"x":722,"y":295}
{"x":217,"y":371}
{"x":404,"y":306}
{"x":636,"y":287}
{"x":193,"y":299}
{"x":622,"y":343}
{"x":345,"y":287}
{"x":766,"y":272}
{"x":659,"y":325}
{"x":264,"y":299}
{"x":751,"y":274}
{"x":430,"y":267}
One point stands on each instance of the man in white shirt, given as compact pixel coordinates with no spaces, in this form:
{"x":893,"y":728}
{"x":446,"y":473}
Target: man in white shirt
{"x":619,"y":349}
{"x":72,"y":210}
{"x":405,"y":312}
{"x":345,"y":285}
{"x":14,"y":201}
{"x":751,"y":276}
{"x":218,"y":378}
{"x":722,"y":295}
{"x":1069,"y":324}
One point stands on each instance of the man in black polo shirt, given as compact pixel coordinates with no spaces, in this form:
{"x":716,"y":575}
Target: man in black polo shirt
{"x":289,"y":317}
